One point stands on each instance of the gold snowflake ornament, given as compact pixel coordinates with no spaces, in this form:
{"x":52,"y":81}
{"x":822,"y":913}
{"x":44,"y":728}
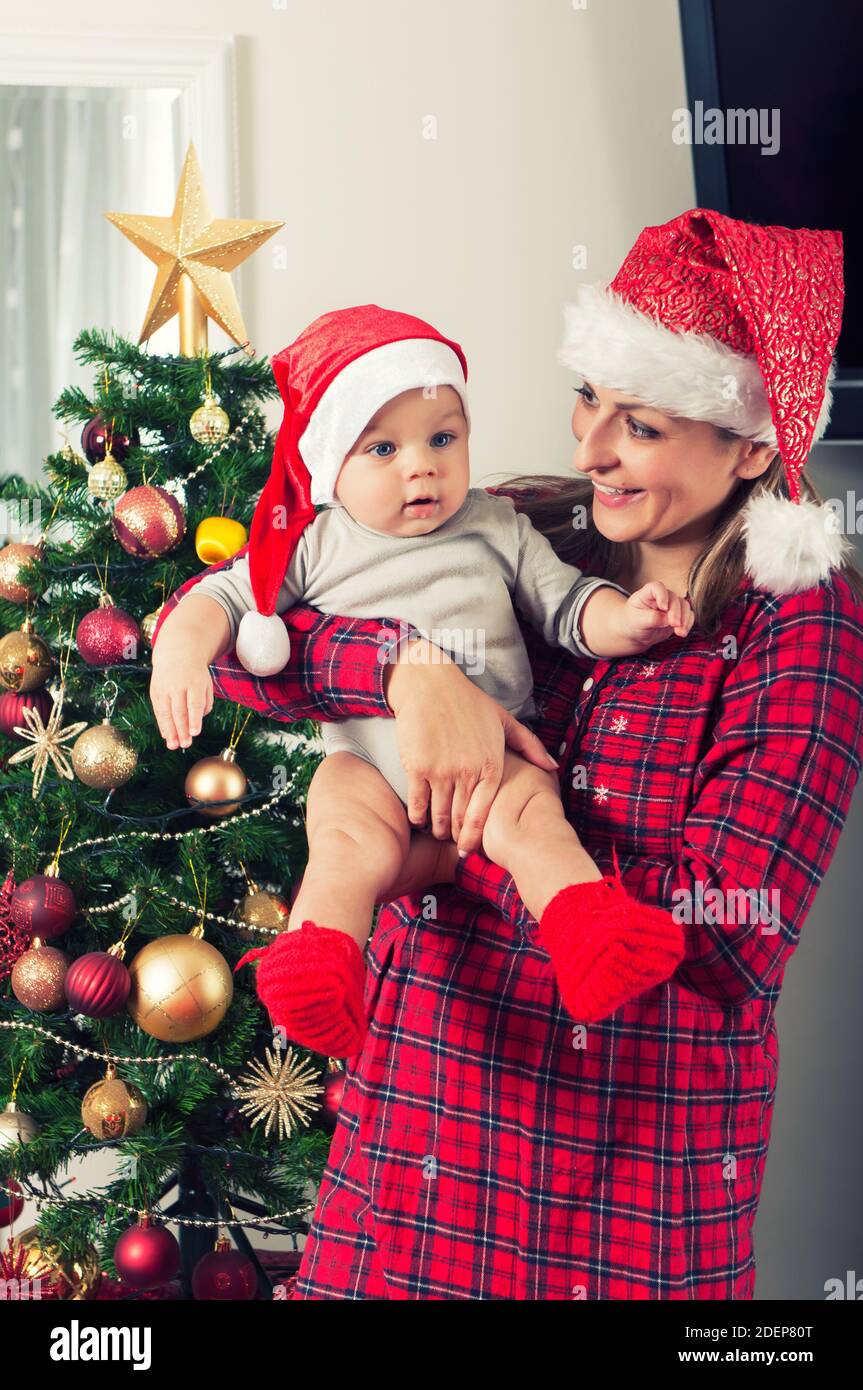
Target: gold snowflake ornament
{"x":282,"y":1092}
{"x":46,"y":740}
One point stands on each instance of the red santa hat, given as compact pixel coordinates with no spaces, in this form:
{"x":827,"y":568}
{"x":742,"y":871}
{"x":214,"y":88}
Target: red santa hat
{"x":736,"y":324}
{"x":333,"y":379}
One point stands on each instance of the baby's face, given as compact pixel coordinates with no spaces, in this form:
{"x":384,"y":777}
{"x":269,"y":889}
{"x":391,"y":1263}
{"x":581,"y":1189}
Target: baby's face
{"x":415,"y":447}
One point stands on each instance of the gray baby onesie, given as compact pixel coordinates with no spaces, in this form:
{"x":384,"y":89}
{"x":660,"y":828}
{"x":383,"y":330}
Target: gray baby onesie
{"x":457,"y":585}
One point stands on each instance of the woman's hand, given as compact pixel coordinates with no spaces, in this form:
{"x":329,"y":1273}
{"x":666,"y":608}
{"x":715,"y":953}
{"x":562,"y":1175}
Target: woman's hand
{"x":451,"y":740}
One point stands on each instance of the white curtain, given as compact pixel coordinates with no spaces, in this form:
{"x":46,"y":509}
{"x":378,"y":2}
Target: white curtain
{"x":69,"y":155}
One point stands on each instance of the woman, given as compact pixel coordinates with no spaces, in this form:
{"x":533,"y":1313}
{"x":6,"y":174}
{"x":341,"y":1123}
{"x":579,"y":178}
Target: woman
{"x":489,"y":1145}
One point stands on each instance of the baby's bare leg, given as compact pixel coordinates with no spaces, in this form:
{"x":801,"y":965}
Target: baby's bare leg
{"x":527,"y":834}
{"x":358,"y":836}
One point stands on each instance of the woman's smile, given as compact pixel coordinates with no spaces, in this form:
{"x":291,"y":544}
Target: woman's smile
{"x":616,"y":497}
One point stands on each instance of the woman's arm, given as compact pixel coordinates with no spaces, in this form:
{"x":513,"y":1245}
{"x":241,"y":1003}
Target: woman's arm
{"x":771,"y":797}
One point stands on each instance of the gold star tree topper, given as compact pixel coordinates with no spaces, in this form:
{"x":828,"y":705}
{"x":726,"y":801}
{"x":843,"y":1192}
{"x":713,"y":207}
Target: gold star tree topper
{"x":193,"y":252}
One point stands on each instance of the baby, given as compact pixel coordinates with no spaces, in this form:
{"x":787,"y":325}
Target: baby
{"x":376,"y":430}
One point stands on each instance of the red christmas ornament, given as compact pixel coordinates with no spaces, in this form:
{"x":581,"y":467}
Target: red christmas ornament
{"x":224,"y":1273}
{"x":148,"y":521}
{"x":334,"y":1089}
{"x":43,"y":905}
{"x":13,"y":704}
{"x":146,"y":1255}
{"x":94,"y":441}
{"x":14,"y":939}
{"x":98,"y":984}
{"x":11,"y":1203}
{"x":109,"y":635}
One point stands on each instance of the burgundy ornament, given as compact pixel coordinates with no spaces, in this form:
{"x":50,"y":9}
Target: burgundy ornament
{"x":98,"y":983}
{"x":43,"y":905}
{"x":146,"y":1255}
{"x":94,"y":441}
{"x":108,"y":635}
{"x":14,"y":940}
{"x":148,"y":521}
{"x":334,"y":1089}
{"x":224,"y":1273}
{"x":13,"y":704}
{"x":11,"y":1203}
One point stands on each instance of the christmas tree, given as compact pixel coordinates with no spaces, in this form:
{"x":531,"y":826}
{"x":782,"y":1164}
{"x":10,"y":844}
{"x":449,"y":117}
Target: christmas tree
{"x":137,"y":876}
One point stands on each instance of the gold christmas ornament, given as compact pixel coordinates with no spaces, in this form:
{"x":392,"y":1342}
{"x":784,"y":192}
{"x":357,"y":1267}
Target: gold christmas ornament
{"x":182,"y":987}
{"x":16,"y":1127}
{"x":148,"y":624}
{"x":113,"y":1109}
{"x":38,"y":977}
{"x":193,"y":253}
{"x":46,"y":740}
{"x":103,"y":757}
{"x":12,"y":559}
{"x":107,"y":479}
{"x":216,"y":779}
{"x":25,"y":660}
{"x":282,"y":1092}
{"x":260,"y":909}
{"x":209,"y":424}
{"x":60,"y":1277}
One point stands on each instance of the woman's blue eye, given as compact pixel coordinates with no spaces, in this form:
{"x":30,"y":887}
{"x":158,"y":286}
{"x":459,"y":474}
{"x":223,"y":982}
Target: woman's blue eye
{"x":375,"y":447}
{"x":445,"y":435}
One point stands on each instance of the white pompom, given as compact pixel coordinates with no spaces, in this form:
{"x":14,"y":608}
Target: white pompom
{"x":263,"y":645}
{"x":791,"y":545}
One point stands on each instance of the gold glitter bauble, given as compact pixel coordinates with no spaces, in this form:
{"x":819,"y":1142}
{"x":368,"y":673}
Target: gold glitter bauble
{"x":38,"y":978}
{"x":181,"y":988}
{"x":113,"y":1109}
{"x":148,"y":624}
{"x":103,"y":757}
{"x":209,"y":423}
{"x":25,"y":660}
{"x":69,"y":1280}
{"x":262,"y":909}
{"x":12,"y":559}
{"x":16,"y":1127}
{"x":107,"y":479}
{"x":216,"y":779}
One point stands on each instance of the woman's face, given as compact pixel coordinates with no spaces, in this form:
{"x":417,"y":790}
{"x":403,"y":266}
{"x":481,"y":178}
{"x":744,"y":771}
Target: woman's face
{"x":682,"y":471}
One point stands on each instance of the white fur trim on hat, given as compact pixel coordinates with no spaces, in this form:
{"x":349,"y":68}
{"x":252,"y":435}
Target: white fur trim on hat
{"x":791,"y":545}
{"x":613,"y":344}
{"x":355,"y":396}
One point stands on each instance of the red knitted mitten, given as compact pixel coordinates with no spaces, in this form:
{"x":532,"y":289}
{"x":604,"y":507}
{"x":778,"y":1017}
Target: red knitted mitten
{"x":311,"y":982}
{"x":607,"y":947}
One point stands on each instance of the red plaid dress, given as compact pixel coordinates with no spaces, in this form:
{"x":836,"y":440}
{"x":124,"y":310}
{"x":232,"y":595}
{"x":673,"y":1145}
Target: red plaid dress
{"x":489,"y":1145}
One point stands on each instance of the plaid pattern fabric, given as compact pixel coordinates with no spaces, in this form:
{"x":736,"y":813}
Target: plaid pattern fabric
{"x":489,"y":1145}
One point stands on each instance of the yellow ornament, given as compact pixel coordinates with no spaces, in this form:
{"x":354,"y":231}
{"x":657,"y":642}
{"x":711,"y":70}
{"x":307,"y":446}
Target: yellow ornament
{"x":218,"y":538}
{"x":182,"y":987}
{"x":16,"y":1127}
{"x":216,"y":779}
{"x":107,"y":479}
{"x":103,"y":757}
{"x":194,"y":253}
{"x":262,"y":909}
{"x":209,"y":423}
{"x":25,"y":660}
{"x":113,"y":1109}
{"x":29,"y":1257}
{"x":13,"y":558}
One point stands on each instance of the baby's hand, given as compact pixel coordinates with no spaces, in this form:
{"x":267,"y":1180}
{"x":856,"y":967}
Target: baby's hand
{"x":653,"y":613}
{"x":181,"y":693}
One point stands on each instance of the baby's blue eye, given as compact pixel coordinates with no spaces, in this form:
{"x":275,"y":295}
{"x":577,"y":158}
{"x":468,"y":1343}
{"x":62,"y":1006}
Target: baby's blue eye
{"x":375,"y":447}
{"x":446,"y":436}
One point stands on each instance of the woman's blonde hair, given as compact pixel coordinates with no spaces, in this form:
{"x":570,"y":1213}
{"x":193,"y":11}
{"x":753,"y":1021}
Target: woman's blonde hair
{"x":562,"y":509}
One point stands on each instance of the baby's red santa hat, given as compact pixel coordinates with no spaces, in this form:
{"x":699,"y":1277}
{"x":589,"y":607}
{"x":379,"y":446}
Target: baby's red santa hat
{"x":733,"y":323}
{"x":333,"y":379}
